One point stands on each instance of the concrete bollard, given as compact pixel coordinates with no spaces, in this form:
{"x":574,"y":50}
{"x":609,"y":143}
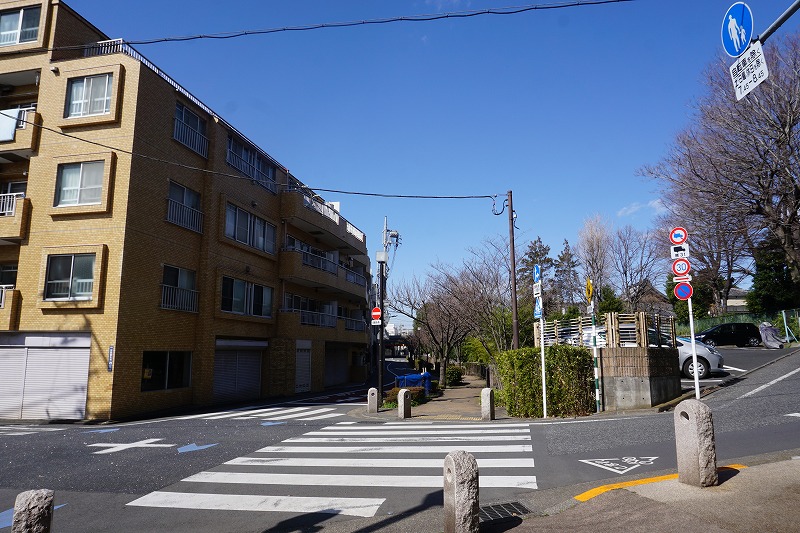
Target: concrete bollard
{"x":694,"y":442}
{"x":372,"y":401}
{"x":404,"y":404}
{"x":487,"y":404}
{"x":33,"y":511}
{"x":461,"y":512}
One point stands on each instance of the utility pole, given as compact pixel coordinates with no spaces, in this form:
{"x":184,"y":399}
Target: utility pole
{"x":389,"y":237}
{"x":514,"y":313}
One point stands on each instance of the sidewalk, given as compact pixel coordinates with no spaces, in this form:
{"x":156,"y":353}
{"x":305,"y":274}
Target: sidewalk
{"x":758,"y":493}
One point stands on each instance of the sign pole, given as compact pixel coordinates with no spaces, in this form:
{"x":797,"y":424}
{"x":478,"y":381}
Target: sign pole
{"x":544,"y":383}
{"x":597,"y":393}
{"x":694,"y":350}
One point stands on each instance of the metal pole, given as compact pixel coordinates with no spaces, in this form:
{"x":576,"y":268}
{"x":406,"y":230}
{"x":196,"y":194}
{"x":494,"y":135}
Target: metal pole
{"x":694,"y":351}
{"x":382,"y":291}
{"x":778,"y":22}
{"x":544,"y":384}
{"x":598,"y":402}
{"x":514,"y":314}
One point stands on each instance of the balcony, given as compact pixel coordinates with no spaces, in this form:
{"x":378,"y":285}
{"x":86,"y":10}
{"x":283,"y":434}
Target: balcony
{"x":316,"y":218}
{"x":322,"y":326}
{"x":178,"y":299}
{"x":191,"y":138}
{"x":310,"y":270}
{"x":14,"y":210}
{"x":24,"y":139}
{"x":184,"y":216}
{"x":250,"y":170}
{"x":9,"y":308}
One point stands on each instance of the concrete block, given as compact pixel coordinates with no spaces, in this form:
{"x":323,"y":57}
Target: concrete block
{"x":372,"y":401}
{"x":487,"y":404}
{"x":404,"y":404}
{"x":461,"y":512}
{"x":33,"y":511}
{"x":695,"y":445}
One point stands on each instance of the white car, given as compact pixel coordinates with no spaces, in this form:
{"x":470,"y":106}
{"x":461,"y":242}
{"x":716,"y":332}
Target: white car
{"x":709,"y":360}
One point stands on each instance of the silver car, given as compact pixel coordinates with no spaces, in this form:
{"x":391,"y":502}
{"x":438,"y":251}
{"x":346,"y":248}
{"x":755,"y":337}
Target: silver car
{"x":709,"y":360}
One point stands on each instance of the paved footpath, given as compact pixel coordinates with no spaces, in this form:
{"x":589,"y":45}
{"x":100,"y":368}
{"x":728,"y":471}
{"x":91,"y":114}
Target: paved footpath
{"x":758,"y":493}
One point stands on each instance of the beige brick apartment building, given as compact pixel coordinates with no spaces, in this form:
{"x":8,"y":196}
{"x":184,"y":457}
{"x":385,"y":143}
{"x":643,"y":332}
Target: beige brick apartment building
{"x":151,"y":256}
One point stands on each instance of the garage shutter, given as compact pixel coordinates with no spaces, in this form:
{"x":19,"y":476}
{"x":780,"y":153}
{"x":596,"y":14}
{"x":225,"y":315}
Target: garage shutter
{"x":55,"y":383}
{"x":43,"y":383}
{"x":237,"y":375}
{"x":12,"y":382}
{"x":302,"y":377}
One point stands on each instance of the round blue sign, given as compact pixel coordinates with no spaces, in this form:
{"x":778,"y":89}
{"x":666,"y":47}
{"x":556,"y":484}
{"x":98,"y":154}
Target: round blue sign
{"x":737,"y":29}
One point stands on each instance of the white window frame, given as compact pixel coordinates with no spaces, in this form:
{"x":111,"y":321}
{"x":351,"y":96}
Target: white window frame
{"x":73,"y":284}
{"x":17,"y":33}
{"x":82,"y":188}
{"x":242,"y":298}
{"x":244,"y":227}
{"x":84,"y":103}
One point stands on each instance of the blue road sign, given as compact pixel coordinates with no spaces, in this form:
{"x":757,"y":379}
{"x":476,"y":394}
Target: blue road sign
{"x":683,"y":291}
{"x":737,"y":29}
{"x":537,"y":273}
{"x":537,"y":309}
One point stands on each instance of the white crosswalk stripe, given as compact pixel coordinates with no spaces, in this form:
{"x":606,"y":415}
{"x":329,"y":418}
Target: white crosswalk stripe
{"x":374,"y":462}
{"x":304,"y":414}
{"x":18,"y":431}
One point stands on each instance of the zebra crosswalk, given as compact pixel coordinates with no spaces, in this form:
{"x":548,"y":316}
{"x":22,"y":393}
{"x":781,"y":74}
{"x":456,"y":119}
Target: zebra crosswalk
{"x":375,"y":463}
{"x":271,"y":414}
{"x":17,"y":431}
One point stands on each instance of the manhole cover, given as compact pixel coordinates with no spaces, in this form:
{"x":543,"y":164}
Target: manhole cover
{"x":501,"y":511}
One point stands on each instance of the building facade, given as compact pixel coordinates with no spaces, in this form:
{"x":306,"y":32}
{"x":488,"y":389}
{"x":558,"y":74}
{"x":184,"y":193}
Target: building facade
{"x":151,"y":256}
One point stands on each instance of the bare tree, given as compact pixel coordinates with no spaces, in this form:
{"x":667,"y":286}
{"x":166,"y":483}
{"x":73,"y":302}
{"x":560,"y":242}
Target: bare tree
{"x":635,"y":263}
{"x":592,"y":250}
{"x":744,"y":156}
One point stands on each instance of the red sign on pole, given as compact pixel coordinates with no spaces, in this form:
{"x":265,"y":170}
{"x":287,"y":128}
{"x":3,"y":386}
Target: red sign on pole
{"x":376,"y":313}
{"x":683,"y":291}
{"x":678,"y":235}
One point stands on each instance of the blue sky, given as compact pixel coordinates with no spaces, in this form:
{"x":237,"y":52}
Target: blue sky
{"x":560,"y":106}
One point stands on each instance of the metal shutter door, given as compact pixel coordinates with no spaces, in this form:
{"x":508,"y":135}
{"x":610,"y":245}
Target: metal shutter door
{"x":224,"y":376}
{"x":248,"y":386}
{"x":302,"y":378}
{"x":55,"y":383}
{"x":12,"y":382}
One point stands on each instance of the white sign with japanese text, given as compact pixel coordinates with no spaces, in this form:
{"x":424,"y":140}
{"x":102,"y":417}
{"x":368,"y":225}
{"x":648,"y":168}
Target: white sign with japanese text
{"x":749,"y":70}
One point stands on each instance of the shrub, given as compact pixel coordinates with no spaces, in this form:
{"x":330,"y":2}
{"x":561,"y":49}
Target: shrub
{"x":570,"y":381}
{"x":417,"y":396}
{"x":454,"y":375}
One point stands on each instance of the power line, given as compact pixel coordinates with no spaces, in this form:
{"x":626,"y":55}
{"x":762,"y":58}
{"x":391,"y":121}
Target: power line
{"x":413,"y":18}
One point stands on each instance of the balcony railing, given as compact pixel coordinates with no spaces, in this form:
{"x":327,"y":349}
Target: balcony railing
{"x":317,"y":261}
{"x":249,"y":169}
{"x":3,"y":289}
{"x":60,"y":289}
{"x":353,"y":324}
{"x":190,"y":138}
{"x":184,"y":216}
{"x":178,"y":299}
{"x":8,"y":204}
{"x":311,"y":318}
{"x":355,"y":232}
{"x":319,"y":207}
{"x":354,"y":277}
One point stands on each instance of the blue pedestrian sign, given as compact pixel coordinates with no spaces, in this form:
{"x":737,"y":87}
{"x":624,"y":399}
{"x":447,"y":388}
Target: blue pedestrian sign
{"x":737,"y":29}
{"x":537,"y":308}
{"x":537,"y":273}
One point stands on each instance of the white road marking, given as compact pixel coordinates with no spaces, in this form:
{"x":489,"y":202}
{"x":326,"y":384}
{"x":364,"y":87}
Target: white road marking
{"x":443,"y":427}
{"x":366,"y":462}
{"x":773,"y":382}
{"x":327,"y":480}
{"x":427,"y":431}
{"x":115,"y":447}
{"x":249,"y":413}
{"x":444,"y":450}
{"x":437,"y":438}
{"x":726,"y":367}
{"x":794,"y":414}
{"x":364,"y":507}
{"x":304,"y":412}
{"x":322,"y":417}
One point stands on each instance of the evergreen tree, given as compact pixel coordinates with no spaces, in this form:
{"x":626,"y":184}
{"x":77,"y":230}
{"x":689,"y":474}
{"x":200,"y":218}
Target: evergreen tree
{"x":566,"y":283}
{"x":773,"y":288}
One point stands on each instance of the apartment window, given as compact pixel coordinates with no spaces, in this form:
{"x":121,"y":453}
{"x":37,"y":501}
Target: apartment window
{"x":245,"y":298}
{"x":19,"y":26}
{"x":247,"y":160}
{"x":89,"y":96}
{"x":79,"y":183}
{"x":249,"y":229}
{"x":162,"y":370}
{"x":190,"y":130}
{"x":183,"y":207}
{"x":69,"y":277}
{"x":178,"y":289}
{"x":8,"y":275}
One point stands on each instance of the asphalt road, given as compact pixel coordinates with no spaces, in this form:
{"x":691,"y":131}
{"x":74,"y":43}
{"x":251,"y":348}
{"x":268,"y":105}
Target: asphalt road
{"x":738,"y":361}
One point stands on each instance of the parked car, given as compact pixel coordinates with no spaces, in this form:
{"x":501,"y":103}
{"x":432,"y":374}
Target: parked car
{"x":709,"y":360}
{"x":738,"y":333}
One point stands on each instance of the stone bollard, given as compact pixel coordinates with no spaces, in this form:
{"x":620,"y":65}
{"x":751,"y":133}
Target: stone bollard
{"x":403,"y":404}
{"x":33,"y":511}
{"x":461,"y":493}
{"x":487,"y":404}
{"x":372,"y":401}
{"x":694,"y":442}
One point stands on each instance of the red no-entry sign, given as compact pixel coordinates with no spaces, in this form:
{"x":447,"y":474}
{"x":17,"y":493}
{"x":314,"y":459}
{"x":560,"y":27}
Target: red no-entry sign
{"x":376,"y":313}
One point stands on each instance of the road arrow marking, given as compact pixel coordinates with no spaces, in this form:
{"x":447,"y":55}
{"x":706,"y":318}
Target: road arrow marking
{"x":620,"y":465}
{"x":193,"y":447}
{"x":272,"y":423}
{"x":101,"y":430}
